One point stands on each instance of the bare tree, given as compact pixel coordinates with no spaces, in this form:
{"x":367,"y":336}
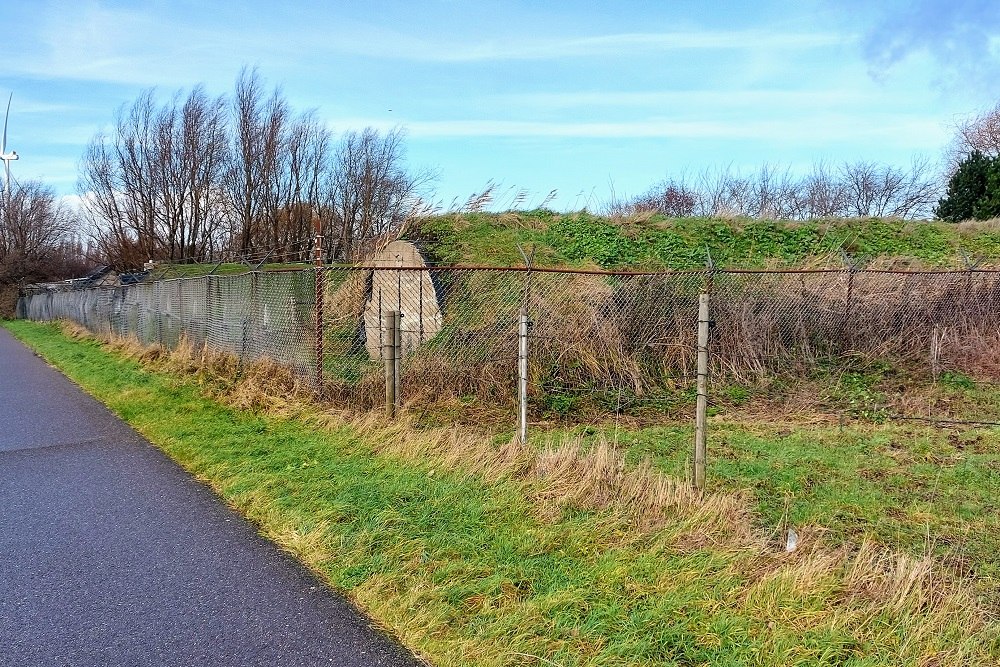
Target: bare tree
{"x":254,"y":175}
{"x":876,"y":190}
{"x":192,"y":146}
{"x":863,"y":189}
{"x":978,"y":132}
{"x":309,"y":164}
{"x":36,"y":241}
{"x":33,"y":223}
{"x":714,"y":188}
{"x":240,"y":174}
{"x":669,"y":197}
{"x":919,"y":193}
{"x":821,"y":195}
{"x":116,"y":182}
{"x":371,"y":193}
{"x":772,"y":193}
{"x":151,"y":189}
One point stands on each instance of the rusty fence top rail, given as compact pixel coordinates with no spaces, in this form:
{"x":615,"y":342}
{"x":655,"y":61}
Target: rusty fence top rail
{"x":50,"y":288}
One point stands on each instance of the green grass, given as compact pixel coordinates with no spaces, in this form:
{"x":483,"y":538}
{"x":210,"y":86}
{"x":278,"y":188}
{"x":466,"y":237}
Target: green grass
{"x":917,"y":488}
{"x":583,"y":239}
{"x":471,"y":570}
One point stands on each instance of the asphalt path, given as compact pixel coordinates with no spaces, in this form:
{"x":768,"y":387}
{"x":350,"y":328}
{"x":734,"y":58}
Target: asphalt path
{"x":110,"y":554}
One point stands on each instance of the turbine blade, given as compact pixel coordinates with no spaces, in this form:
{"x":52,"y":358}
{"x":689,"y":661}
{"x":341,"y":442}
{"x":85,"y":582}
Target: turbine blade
{"x":3,"y":146}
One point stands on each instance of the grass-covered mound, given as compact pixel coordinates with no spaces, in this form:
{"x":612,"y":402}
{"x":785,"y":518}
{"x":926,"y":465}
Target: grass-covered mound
{"x":653,"y":242}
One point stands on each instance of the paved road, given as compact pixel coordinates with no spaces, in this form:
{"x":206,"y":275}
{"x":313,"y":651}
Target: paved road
{"x":110,"y":554}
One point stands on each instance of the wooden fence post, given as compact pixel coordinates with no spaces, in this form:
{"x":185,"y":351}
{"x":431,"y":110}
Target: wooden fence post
{"x":701,"y":411}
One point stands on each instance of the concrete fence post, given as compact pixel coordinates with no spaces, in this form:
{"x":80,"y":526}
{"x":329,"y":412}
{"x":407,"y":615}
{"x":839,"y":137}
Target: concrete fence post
{"x":701,"y":411}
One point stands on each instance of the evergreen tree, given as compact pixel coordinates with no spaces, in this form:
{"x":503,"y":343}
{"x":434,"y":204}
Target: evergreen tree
{"x":973,"y":190}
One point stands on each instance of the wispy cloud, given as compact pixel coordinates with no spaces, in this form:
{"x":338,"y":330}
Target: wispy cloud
{"x":147,"y":46}
{"x":716,"y":99}
{"x":27,"y":105}
{"x":93,"y":42}
{"x":960,"y":36}
{"x":614,"y":45}
{"x":900,"y":130}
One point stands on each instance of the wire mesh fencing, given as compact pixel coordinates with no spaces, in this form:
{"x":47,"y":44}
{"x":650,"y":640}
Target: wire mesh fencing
{"x":602,"y":340}
{"x":251,"y":316}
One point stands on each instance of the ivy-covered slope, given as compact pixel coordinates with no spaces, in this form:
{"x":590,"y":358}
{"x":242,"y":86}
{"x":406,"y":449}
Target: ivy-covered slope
{"x":586,"y":240}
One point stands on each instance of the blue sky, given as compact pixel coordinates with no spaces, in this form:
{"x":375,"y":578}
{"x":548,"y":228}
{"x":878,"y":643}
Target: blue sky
{"x":580,"y":97}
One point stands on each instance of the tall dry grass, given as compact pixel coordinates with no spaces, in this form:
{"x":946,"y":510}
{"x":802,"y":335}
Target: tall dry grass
{"x":636,"y":334}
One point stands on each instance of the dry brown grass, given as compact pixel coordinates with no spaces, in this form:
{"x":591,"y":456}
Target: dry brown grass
{"x":637,"y":334}
{"x":346,"y":301}
{"x":568,"y":474}
{"x":260,"y":385}
{"x":977,"y":227}
{"x":8,"y":301}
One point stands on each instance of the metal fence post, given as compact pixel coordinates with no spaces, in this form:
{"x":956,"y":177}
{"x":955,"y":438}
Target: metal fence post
{"x":320,"y":292}
{"x":397,"y":345}
{"x":182,"y":328}
{"x":522,"y":348}
{"x":208,"y":313}
{"x":701,"y":412}
{"x":845,"y":328}
{"x":390,"y":323}
{"x":522,"y":377}
{"x":159,"y":312}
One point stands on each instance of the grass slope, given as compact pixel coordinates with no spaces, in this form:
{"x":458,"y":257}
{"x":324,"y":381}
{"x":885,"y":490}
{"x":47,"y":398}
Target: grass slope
{"x":583,"y":239}
{"x":469,"y":568}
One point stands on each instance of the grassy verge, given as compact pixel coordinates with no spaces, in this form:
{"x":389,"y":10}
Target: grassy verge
{"x":476,"y":552}
{"x":916,"y":488}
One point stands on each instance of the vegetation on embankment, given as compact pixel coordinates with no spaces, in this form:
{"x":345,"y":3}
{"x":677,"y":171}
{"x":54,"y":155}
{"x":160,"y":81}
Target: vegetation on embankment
{"x":653,"y":242}
{"x":478,"y":552}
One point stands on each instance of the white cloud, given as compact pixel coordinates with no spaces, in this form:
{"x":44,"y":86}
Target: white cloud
{"x":90,"y":41}
{"x":547,"y":48}
{"x":688,"y":99}
{"x":901,"y":130}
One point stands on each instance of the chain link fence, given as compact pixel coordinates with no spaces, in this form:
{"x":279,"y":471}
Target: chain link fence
{"x":630,"y":338}
{"x":616,"y":340}
{"x":251,"y":316}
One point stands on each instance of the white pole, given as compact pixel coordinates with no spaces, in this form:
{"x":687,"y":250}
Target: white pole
{"x":522,"y":378}
{"x":701,"y":411}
